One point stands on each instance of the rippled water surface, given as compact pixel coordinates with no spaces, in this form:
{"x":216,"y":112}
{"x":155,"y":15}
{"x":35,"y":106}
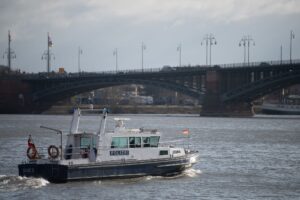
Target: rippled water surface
{"x":241,"y":158}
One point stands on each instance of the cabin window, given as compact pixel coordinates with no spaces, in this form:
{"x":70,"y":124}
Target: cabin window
{"x":119,"y":142}
{"x":85,"y":142}
{"x":163,"y":152}
{"x":134,"y":142}
{"x":154,"y":141}
{"x":150,"y":141}
{"x":146,"y":141}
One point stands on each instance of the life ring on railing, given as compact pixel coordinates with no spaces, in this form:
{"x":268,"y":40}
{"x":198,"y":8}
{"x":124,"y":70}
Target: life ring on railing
{"x":53,"y":151}
{"x":31,"y":152}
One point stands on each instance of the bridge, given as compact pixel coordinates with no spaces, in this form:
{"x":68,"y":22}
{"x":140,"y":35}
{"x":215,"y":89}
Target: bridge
{"x":223,"y":90}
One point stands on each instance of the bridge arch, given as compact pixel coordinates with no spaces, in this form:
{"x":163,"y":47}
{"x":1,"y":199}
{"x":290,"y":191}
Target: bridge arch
{"x":218,"y":88}
{"x":56,"y":93}
{"x":260,"y":88}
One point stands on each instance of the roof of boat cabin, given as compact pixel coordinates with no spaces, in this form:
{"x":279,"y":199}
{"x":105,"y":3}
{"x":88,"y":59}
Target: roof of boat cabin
{"x":82,"y":133}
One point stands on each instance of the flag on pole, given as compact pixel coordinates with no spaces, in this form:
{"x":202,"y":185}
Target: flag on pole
{"x":293,"y":34}
{"x":186,"y":131}
{"x":143,"y":46}
{"x":50,"y":44}
{"x":9,"y":36}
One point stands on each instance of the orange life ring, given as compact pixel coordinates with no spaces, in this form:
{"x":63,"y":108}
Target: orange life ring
{"x":53,"y":151}
{"x":31,"y":152}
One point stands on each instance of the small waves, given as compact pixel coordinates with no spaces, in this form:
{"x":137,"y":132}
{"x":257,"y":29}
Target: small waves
{"x":186,"y":173}
{"x":192,"y":172}
{"x":14,"y":183}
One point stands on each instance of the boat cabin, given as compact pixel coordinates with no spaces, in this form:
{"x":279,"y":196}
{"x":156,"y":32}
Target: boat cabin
{"x":122,"y":143}
{"x":79,"y":145}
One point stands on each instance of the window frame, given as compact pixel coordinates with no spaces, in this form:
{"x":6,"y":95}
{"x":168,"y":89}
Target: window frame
{"x":118,"y":145}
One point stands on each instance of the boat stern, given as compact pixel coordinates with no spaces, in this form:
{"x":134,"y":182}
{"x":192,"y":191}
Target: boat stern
{"x":53,"y":172}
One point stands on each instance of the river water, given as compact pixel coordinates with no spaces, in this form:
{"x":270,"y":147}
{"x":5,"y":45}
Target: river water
{"x":241,"y":158}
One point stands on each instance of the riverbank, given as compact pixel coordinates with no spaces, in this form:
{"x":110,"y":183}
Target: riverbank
{"x":131,"y":109}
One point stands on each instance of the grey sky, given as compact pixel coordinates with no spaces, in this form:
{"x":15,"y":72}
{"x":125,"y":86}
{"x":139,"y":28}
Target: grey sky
{"x":100,"y":26}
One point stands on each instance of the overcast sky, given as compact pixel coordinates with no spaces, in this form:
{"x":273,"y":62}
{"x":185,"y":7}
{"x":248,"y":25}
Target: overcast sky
{"x":100,"y":26}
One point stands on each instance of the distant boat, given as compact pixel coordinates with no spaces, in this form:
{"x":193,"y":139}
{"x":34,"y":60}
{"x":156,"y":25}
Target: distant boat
{"x":289,"y":106}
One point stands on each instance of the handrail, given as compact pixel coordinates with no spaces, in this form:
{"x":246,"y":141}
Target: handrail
{"x":45,"y":75}
{"x":58,"y":132}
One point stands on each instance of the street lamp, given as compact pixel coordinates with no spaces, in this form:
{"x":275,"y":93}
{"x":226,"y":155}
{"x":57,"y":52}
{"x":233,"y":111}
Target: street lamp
{"x":179,"y":50}
{"x":115,"y":53}
{"x":47,"y":55}
{"x":143,"y":48}
{"x":206,"y":44}
{"x":292,"y":36}
{"x":79,"y":53}
{"x":280,"y":54}
{"x":209,"y":41}
{"x":243,"y":43}
{"x":246,"y":41}
{"x":10,"y":53}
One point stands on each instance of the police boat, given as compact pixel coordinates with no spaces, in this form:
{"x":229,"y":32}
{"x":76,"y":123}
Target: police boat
{"x":122,"y":153}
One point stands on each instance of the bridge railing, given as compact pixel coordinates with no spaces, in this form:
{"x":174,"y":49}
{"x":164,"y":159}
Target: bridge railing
{"x":45,"y":75}
{"x":262,"y":63}
{"x":165,"y":69}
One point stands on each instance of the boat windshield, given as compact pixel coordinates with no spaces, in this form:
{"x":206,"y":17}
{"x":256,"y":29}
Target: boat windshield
{"x":119,"y":142}
{"x":135,"y":142}
{"x":85,"y":142}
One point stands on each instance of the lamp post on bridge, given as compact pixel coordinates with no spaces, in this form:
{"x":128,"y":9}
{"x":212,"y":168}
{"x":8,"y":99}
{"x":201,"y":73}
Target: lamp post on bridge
{"x":246,"y":41}
{"x":292,"y":36}
{"x":10,"y":53}
{"x":179,"y":50}
{"x":209,"y":41}
{"x":281,"y":54}
{"x":243,"y":43}
{"x":143,"y":48}
{"x":115,"y":53}
{"x":79,"y":54}
{"x":47,"y":55}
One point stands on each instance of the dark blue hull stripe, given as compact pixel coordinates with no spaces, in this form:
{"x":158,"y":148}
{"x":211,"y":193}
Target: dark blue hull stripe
{"x":64,"y":173}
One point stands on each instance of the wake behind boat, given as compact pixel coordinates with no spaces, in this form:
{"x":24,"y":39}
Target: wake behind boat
{"x":123,"y":153}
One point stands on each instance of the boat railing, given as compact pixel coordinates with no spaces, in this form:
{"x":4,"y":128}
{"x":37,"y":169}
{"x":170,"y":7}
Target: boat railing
{"x":177,"y":143}
{"x":79,"y":152}
{"x":39,"y":152}
{"x":84,"y":151}
{"x":45,"y":153}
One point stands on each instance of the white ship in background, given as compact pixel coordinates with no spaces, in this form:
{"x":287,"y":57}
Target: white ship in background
{"x":289,"y":105}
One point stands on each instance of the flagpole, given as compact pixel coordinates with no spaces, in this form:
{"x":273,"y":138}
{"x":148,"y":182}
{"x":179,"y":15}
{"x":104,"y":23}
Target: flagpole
{"x":189,"y":140}
{"x":187,"y":132}
{"x":179,"y":50}
{"x":115,"y":53}
{"x":292,"y":36}
{"x":9,"y":52}
{"x":79,"y":53}
{"x":116,"y":60}
{"x":48,"y":54}
{"x":143,"y":48}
